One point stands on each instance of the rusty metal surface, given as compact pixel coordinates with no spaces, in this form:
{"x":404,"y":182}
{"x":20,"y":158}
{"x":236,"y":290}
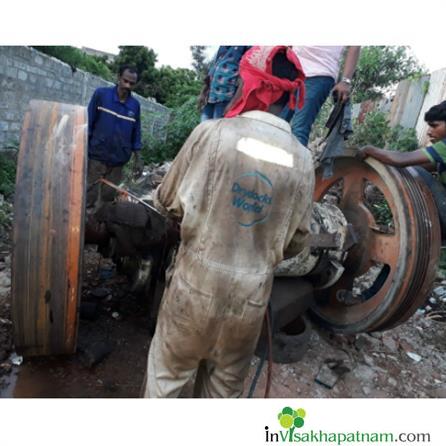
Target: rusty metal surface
{"x":427,"y":250}
{"x":328,"y":234}
{"x":411,"y":250}
{"x":49,"y":228}
{"x":332,"y":241}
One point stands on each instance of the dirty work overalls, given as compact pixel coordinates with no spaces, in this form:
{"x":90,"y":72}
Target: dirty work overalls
{"x":243,"y":187}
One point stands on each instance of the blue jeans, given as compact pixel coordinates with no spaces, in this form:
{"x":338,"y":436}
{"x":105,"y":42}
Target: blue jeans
{"x":317,"y":89}
{"x":213,"y":111}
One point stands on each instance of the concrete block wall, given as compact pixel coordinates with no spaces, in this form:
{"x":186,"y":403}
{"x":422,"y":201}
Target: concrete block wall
{"x":27,"y":74}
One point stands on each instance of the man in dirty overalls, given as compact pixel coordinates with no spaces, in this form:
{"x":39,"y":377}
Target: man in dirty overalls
{"x":242,"y":188}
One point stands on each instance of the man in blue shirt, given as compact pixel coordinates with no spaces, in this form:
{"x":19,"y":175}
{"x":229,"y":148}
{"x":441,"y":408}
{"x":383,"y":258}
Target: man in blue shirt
{"x":114,"y":133}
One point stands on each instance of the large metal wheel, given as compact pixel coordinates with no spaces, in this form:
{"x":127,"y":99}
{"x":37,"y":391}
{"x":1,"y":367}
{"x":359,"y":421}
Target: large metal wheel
{"x":49,"y":228}
{"x":407,"y":251}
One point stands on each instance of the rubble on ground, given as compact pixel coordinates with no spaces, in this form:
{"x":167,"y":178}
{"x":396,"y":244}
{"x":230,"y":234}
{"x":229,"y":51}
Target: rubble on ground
{"x":405,"y":362}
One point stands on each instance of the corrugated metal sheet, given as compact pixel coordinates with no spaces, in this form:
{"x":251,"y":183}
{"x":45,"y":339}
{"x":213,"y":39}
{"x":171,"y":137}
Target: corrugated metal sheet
{"x":435,"y":94}
{"x":356,"y":108}
{"x":407,"y":102}
{"x":410,"y":103}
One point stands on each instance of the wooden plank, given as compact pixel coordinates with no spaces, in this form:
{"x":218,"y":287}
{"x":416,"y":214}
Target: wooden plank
{"x":399,"y":100}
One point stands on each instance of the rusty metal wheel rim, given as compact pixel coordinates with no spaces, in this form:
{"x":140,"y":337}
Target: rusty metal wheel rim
{"x":411,"y":252}
{"x":49,"y":228}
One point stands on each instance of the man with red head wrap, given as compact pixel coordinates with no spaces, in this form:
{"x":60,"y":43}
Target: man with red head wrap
{"x":242,"y":189}
{"x":260,"y":86}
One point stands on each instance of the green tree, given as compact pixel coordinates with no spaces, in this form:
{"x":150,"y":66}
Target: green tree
{"x":376,"y":131}
{"x":380,"y":67}
{"x":183,"y":120}
{"x":8,"y":166}
{"x":169,"y":86}
{"x":201,"y":66}
{"x":174,"y":86}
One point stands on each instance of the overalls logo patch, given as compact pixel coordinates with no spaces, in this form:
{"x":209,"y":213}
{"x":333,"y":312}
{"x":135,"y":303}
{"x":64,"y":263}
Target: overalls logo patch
{"x":252,"y":196}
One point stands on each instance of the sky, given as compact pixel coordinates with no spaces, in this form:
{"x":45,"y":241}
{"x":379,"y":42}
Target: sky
{"x":171,"y":26}
{"x":176,"y":56}
{"x":179,"y":56}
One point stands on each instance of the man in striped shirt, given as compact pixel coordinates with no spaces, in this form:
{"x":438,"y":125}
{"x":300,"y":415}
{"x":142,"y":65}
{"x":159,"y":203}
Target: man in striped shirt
{"x":432,"y":157}
{"x":114,"y":133}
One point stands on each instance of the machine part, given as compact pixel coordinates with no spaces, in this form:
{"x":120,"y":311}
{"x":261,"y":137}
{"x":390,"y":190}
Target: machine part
{"x":351,"y":239}
{"x":331,"y":241}
{"x":96,"y":231}
{"x":49,"y":228}
{"x":290,"y":343}
{"x":407,"y":250}
{"x":130,"y":195}
{"x":331,"y":274}
{"x":139,"y":272}
{"x":297,"y":266}
{"x":93,"y":354}
{"x":290,"y":299}
{"x":142,"y":277}
{"x":439,"y":193}
{"x":321,"y":261}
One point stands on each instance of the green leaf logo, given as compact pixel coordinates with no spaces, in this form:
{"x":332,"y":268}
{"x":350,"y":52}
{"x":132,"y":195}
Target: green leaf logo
{"x":290,"y":418}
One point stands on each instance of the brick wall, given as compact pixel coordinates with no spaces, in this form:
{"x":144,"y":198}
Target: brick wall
{"x":27,"y":74}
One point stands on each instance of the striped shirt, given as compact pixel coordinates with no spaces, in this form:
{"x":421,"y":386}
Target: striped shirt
{"x":436,"y":153}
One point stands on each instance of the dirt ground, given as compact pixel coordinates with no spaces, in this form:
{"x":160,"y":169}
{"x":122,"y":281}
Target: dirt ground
{"x":405,"y":362}
{"x":114,"y":336}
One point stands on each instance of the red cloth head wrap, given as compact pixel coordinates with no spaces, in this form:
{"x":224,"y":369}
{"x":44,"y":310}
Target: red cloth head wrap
{"x":260,"y":88}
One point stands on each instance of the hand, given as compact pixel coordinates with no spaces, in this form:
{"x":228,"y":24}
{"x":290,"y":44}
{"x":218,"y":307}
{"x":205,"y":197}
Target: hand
{"x":341,"y":91}
{"x":364,"y":152}
{"x":138,"y":166}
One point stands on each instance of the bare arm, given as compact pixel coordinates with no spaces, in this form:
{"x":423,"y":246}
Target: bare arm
{"x":393,"y":158}
{"x":351,"y":60}
{"x":342,"y":89}
{"x":429,"y":166}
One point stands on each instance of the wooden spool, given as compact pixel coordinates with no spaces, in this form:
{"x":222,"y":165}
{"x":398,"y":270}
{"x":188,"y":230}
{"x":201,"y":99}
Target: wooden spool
{"x":48,"y":229}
